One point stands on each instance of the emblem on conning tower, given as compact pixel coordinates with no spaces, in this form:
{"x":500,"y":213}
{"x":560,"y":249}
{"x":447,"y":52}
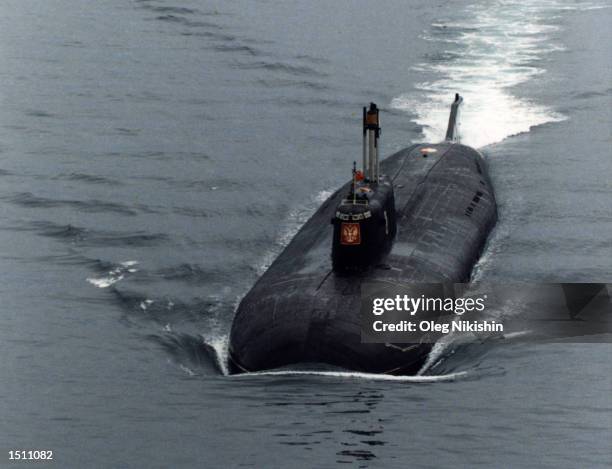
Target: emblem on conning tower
{"x":350,"y":234}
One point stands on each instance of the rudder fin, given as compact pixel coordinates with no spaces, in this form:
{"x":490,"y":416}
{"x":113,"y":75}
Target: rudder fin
{"x":452,"y":134}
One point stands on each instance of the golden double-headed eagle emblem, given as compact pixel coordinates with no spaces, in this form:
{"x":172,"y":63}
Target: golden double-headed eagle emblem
{"x":350,"y":234}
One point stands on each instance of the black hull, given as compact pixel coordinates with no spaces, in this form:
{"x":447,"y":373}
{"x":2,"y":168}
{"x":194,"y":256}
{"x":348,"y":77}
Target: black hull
{"x":300,"y":311}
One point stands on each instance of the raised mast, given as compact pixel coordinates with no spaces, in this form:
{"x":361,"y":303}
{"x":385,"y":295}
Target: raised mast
{"x":371,"y":133}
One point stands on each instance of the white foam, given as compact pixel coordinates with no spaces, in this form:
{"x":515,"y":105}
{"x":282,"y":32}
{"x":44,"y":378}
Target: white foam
{"x":490,"y":53}
{"x":114,"y":275}
{"x":516,"y":335}
{"x":323,"y":195}
{"x":357,"y":375}
{"x":438,"y":349}
{"x":220,"y":344}
{"x":105,"y":282}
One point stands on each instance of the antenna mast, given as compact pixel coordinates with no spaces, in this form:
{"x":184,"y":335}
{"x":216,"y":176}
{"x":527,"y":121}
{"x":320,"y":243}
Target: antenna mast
{"x":371,"y":133}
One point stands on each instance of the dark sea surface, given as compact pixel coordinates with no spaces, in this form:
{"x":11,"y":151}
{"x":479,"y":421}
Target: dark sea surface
{"x":155,"y":157}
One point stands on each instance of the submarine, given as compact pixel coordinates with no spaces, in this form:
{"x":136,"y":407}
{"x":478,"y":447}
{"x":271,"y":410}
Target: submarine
{"x":421,"y":215}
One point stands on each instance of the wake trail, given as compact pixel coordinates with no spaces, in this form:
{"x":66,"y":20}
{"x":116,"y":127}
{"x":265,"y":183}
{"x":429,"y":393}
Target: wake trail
{"x":496,"y":46}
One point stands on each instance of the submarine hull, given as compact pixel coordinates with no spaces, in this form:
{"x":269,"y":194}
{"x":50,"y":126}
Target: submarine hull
{"x":302,"y":311}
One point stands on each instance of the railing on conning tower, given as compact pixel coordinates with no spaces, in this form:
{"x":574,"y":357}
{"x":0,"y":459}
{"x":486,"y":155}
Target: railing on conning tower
{"x":452,"y":132}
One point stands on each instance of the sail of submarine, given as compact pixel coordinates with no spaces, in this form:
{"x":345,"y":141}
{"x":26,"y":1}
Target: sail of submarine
{"x":421,"y":215}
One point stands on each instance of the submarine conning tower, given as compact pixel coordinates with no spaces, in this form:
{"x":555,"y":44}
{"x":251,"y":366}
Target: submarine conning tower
{"x":364,"y":221}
